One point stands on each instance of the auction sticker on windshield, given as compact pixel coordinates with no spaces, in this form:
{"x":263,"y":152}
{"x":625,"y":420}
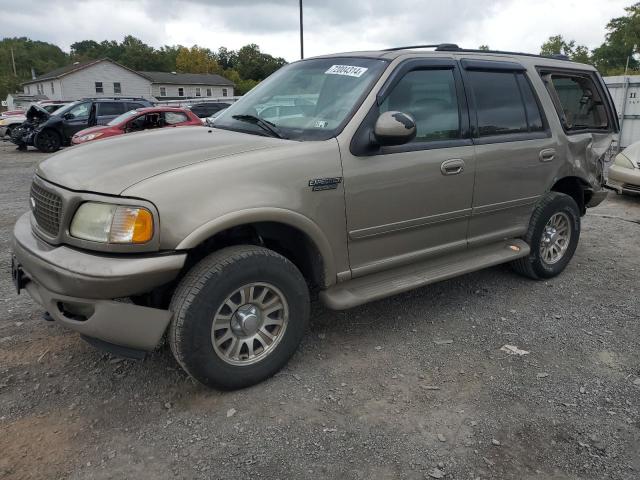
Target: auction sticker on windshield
{"x":349,"y":70}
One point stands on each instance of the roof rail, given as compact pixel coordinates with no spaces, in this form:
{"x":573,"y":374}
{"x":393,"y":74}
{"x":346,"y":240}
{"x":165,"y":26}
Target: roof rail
{"x":438,"y":46}
{"x":452,"y":47}
{"x":114,"y":98}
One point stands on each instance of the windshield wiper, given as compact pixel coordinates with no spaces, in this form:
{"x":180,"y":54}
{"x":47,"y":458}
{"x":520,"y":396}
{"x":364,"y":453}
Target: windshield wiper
{"x":266,"y":125}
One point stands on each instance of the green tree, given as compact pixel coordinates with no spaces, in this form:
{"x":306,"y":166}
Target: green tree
{"x":28,"y":54}
{"x":196,"y":60}
{"x":621,"y":43}
{"x":484,"y":47}
{"x":252,"y":64}
{"x":557,"y":45}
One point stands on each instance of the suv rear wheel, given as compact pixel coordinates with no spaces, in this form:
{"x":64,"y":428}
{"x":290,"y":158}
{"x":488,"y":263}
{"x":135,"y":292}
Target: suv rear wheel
{"x":239,"y":315}
{"x":553,"y":236}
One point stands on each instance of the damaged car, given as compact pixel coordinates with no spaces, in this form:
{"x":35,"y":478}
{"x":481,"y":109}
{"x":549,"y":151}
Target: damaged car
{"x":624,"y":174}
{"x":48,"y":132}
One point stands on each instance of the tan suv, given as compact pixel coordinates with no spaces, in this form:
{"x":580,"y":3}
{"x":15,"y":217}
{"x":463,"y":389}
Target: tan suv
{"x":355,"y":176}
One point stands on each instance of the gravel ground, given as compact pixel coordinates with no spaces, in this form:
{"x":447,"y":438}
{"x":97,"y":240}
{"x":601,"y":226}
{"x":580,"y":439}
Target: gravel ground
{"x":410,"y":387}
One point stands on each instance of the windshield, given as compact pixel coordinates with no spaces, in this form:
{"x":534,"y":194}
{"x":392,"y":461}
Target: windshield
{"x":65,"y":108}
{"x":123,"y":118}
{"x":307,"y":100}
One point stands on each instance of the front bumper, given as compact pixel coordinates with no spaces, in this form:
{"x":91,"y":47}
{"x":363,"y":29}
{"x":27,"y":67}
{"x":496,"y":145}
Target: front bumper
{"x":624,"y":179}
{"x":77,"y":288}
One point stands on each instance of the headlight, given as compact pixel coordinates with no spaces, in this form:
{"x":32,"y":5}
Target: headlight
{"x":622,"y":161}
{"x":105,"y":223}
{"x":3,"y":122}
{"x":89,"y":136}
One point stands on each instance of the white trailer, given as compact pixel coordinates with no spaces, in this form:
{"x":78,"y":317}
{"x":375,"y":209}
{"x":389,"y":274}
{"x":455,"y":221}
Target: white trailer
{"x":625,"y":91}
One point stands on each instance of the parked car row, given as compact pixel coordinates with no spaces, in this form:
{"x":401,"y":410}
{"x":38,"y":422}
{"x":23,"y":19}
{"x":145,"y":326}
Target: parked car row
{"x":48,"y":127}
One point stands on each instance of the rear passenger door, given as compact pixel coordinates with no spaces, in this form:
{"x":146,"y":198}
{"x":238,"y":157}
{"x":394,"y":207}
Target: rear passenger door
{"x":107,"y":111}
{"x":515,"y":151}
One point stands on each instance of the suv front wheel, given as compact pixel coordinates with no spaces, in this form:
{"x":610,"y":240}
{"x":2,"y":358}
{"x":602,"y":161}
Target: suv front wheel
{"x":553,"y":236}
{"x":239,"y":315}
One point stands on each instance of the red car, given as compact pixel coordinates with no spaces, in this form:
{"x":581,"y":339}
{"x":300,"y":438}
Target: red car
{"x":137,"y":120}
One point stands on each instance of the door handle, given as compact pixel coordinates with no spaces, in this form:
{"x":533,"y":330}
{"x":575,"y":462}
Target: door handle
{"x":547,"y":155}
{"x":452,"y":167}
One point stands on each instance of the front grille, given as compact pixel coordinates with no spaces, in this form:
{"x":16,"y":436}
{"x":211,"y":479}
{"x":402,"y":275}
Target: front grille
{"x":47,"y":209}
{"x":630,"y":187}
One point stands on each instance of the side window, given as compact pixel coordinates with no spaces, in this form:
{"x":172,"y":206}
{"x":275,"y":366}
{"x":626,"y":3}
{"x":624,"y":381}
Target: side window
{"x":106,"y":109}
{"x":171,"y":118}
{"x":429,"y":96}
{"x":499,"y":105}
{"x":582,"y":106}
{"x":134,"y":106}
{"x":81,"y":110}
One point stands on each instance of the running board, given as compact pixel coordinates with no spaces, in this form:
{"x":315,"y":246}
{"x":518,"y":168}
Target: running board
{"x":401,"y":279}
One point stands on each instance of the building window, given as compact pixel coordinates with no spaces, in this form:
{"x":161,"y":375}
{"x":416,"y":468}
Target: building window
{"x":224,"y":92}
{"x":198,"y":94}
{"x":53,"y":90}
{"x":163,"y":91}
{"x":40,"y":89}
{"x":99,"y":88}
{"x":28,"y":89}
{"x":117,"y":88}
{"x":208,"y":92}
{"x":180,"y":92}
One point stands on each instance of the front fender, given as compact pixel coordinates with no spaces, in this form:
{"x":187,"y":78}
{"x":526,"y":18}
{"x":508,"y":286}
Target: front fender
{"x":266,"y":214}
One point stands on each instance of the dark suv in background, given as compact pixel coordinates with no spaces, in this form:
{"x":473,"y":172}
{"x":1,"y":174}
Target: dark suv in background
{"x":49,"y":131}
{"x":206,"y":109}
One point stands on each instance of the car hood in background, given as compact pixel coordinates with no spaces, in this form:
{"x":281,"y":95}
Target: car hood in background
{"x":112,"y":165}
{"x":99,"y":128}
{"x":37,"y":112}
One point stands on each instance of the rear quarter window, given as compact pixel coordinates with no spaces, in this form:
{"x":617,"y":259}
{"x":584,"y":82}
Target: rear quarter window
{"x":110,"y":108}
{"x":579,"y":100}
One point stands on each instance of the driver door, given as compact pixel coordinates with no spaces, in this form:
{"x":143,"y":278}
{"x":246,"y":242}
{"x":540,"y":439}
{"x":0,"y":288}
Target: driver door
{"x":76,"y":119}
{"x":408,"y":202}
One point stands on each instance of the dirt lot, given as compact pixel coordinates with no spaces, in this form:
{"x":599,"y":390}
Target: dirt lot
{"x":410,"y":387}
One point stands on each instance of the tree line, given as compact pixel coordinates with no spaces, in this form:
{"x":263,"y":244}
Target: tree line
{"x":244,"y":67}
{"x":617,"y":54}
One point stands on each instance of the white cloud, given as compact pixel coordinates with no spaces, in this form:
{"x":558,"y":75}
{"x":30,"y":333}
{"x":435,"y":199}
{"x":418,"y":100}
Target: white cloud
{"x":330,"y":25}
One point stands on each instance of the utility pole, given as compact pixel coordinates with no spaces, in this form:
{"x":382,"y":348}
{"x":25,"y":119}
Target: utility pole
{"x":301,"y":34}
{"x":13,"y":61}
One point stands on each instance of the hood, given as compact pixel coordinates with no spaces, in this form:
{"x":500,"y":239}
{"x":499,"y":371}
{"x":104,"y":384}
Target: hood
{"x":112,"y":165}
{"x":36,"y":112}
{"x":98,"y":128}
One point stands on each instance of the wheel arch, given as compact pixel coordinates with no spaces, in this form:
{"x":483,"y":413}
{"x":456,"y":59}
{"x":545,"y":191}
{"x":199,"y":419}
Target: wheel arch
{"x":577,"y":188}
{"x":287,"y":232}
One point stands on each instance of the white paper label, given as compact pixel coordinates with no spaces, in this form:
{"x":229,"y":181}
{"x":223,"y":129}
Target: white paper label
{"x":348,"y":70}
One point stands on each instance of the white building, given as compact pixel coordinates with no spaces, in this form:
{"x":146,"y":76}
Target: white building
{"x":106,"y":78}
{"x":176,"y":86}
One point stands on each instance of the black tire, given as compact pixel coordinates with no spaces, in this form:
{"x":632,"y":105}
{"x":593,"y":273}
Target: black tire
{"x":47,"y":141}
{"x":533,"y":265}
{"x":7,"y":133}
{"x":203,"y":291}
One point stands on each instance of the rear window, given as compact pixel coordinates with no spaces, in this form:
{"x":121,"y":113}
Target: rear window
{"x":581,"y":106}
{"x":505,"y":103}
{"x":110,"y":108}
{"x":171,"y":118}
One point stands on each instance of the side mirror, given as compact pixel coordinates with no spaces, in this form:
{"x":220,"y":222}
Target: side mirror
{"x":394,"y":128}
{"x":69,"y":116}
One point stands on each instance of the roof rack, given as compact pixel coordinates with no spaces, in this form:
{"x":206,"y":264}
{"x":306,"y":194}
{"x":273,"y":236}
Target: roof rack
{"x":438,"y":47}
{"x":452,"y":47}
{"x":114,"y":98}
